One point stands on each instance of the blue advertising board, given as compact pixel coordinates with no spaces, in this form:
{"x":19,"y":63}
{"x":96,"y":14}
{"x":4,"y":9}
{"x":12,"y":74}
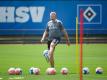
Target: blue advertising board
{"x":30,"y":17}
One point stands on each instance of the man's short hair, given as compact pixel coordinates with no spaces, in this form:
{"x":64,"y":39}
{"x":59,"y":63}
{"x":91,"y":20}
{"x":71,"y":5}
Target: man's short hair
{"x":52,"y":13}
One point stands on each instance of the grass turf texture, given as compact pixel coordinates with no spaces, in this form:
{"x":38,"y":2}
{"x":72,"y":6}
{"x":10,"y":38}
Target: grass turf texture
{"x":26,"y":56}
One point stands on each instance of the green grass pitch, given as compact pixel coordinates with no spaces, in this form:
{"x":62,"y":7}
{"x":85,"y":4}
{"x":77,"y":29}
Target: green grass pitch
{"x":28,"y":55}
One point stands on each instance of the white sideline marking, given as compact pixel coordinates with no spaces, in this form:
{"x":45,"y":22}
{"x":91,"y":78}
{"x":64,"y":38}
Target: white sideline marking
{"x":12,"y":78}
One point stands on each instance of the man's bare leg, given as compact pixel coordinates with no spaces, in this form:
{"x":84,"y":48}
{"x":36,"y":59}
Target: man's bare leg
{"x":51,"y":54}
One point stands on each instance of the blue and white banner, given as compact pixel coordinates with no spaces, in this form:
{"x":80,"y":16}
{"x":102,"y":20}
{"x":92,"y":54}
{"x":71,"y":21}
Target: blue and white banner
{"x":92,"y":13}
{"x":19,"y":17}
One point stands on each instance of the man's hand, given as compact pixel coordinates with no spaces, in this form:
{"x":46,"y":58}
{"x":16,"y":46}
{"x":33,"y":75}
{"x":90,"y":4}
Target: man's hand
{"x":44,"y":36}
{"x":42,"y":40}
{"x":66,"y":37}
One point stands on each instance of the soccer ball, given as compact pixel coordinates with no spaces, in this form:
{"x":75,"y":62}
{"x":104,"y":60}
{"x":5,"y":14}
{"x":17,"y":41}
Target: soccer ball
{"x":45,"y":52}
{"x":64,"y":71}
{"x":11,"y":71}
{"x":85,"y":70}
{"x":31,"y":70}
{"x":36,"y":71}
{"x":99,"y":70}
{"x":18,"y":71}
{"x":51,"y":71}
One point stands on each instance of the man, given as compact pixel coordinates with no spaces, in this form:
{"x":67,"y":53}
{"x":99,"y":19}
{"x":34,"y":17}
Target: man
{"x":54,"y":31}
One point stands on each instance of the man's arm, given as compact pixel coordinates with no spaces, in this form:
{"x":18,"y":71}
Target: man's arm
{"x":65,"y":33}
{"x":44,"y":36}
{"x":66,"y":37}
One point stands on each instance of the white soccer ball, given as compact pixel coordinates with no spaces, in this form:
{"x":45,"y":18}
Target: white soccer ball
{"x":85,"y":70}
{"x":45,"y":52}
{"x":31,"y":70}
{"x":11,"y":71}
{"x":99,"y":70}
{"x":18,"y":71}
{"x":51,"y":71}
{"x":64,"y":71}
{"x":36,"y":71}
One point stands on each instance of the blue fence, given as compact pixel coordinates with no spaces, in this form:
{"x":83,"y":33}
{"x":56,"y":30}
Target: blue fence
{"x":30,"y":17}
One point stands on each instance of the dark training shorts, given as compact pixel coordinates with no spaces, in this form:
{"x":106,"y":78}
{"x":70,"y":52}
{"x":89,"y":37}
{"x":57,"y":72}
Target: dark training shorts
{"x":54,"y":40}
